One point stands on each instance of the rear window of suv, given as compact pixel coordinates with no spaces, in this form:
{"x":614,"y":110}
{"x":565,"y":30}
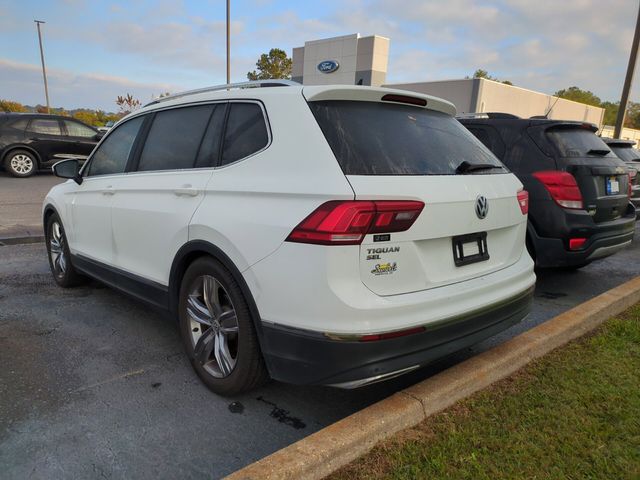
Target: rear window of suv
{"x":628,"y":154}
{"x":374,"y":138}
{"x":577,"y":142}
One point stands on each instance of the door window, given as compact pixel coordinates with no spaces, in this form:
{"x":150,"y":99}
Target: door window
{"x":246,"y":132}
{"x":174,"y":138}
{"x":210,"y":147}
{"x":112,"y":155}
{"x":46,"y":126}
{"x":75,"y":129}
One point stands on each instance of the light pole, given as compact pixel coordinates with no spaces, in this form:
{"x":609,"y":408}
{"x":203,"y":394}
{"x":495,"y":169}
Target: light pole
{"x":44,"y":70}
{"x":622,"y":109}
{"x":228,"y":45}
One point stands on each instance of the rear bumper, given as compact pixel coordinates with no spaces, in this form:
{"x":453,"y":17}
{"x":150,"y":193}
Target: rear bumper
{"x":310,"y":358}
{"x":603,"y":239}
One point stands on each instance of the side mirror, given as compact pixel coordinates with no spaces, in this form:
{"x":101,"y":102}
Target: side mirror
{"x":68,"y":169}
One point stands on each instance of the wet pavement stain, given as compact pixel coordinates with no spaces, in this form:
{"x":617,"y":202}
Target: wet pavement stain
{"x":551,"y":295}
{"x":236,"y":407}
{"x":282,"y":415}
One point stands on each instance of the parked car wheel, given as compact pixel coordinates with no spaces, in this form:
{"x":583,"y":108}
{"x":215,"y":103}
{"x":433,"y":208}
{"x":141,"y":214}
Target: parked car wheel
{"x":59,"y":256}
{"x":217,"y":329}
{"x":21,"y":163}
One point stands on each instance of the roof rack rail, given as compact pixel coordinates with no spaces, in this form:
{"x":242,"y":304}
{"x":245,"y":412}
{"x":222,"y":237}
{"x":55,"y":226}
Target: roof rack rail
{"x":502,"y":115}
{"x":228,"y":86}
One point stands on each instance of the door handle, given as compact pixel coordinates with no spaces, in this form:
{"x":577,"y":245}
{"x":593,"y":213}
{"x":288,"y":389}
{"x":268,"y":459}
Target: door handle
{"x":108,"y":190}
{"x":186,"y":191}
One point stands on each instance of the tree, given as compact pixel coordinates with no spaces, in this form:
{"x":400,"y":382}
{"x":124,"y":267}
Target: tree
{"x":578,"y":95}
{"x":127,"y":104}
{"x":275,"y":64}
{"x":480,"y":73}
{"x":9,"y":106}
{"x":610,"y":112}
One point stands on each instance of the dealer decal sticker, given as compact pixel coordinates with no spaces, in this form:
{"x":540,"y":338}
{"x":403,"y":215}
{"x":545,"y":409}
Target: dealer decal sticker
{"x":385,"y":268}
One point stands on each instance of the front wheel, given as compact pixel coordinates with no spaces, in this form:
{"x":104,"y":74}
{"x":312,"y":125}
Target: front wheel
{"x":21,"y":163}
{"x":217,"y":329}
{"x":59,"y":256}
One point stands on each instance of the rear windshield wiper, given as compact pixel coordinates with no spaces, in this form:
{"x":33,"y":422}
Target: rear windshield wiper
{"x":466,"y":167}
{"x":598,"y":151}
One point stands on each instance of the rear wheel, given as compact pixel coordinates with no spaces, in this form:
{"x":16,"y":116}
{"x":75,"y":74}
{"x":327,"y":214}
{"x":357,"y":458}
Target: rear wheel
{"x":59,"y":256}
{"x":217,"y":329}
{"x":21,"y":163}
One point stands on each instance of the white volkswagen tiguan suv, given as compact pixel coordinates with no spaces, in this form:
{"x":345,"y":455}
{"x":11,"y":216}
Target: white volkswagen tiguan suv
{"x":334,"y":235}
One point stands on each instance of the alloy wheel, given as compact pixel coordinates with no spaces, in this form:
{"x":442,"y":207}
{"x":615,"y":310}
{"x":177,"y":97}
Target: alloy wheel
{"x":21,"y":164}
{"x":214,"y":326}
{"x":56,"y":247}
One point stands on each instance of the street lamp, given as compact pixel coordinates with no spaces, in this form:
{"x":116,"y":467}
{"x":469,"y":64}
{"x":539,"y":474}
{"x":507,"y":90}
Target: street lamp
{"x":228,"y":45}
{"x":44,"y":70}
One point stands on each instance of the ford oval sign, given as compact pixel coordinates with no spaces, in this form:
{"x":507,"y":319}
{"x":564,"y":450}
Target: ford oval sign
{"x":328,"y":66}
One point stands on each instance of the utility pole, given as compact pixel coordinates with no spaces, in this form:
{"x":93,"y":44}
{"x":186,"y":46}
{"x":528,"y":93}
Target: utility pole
{"x":228,"y":44}
{"x":622,"y":109}
{"x":44,"y":70}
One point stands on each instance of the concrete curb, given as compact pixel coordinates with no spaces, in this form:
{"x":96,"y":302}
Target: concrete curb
{"x":323,"y":452}
{"x":21,"y":240}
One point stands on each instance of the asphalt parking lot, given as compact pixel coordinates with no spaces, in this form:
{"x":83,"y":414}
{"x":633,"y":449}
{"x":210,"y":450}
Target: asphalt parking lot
{"x":95,"y":385}
{"x":21,"y":203}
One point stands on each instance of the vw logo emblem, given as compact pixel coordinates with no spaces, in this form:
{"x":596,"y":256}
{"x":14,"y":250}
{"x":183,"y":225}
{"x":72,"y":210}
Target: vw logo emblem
{"x":482,"y":207}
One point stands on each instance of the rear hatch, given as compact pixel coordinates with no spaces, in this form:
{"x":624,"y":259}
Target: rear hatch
{"x":601,"y":176}
{"x":471,"y":223}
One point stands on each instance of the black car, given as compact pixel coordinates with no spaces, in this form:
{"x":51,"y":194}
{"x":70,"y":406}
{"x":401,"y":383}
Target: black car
{"x":29,"y":142}
{"x":579,"y":207}
{"x":631,"y":156}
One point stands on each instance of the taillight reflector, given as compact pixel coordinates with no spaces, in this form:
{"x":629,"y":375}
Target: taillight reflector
{"x":347,"y":222}
{"x":563,"y":188}
{"x":576,"y":243}
{"x":632,"y":175}
{"x":523,"y":201}
{"x":386,"y":336}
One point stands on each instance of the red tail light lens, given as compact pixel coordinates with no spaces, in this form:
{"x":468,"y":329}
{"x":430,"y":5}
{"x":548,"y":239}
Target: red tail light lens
{"x":632,"y":175}
{"x":523,"y":201}
{"x":347,"y":222}
{"x":563,"y":188}
{"x":576,"y":243}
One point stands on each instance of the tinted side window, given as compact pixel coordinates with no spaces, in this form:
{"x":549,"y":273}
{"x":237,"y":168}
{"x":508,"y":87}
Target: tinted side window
{"x":490,"y":138}
{"x":246,"y":132}
{"x":174,"y":138}
{"x":112,"y":154}
{"x":47,"y":126}
{"x":75,"y":129}
{"x":210,"y":147}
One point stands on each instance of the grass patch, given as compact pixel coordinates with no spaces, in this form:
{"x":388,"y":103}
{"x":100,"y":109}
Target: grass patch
{"x":574,"y":414}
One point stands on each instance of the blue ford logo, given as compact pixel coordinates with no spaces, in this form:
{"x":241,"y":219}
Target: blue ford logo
{"x":328,"y":66}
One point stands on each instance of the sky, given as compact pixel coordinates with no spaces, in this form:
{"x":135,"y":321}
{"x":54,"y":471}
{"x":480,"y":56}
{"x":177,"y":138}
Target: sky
{"x":97,"y":50}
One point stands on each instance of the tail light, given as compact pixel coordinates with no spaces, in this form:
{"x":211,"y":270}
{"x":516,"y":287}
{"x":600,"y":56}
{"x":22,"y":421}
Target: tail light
{"x":576,"y":243}
{"x":347,"y":222}
{"x":632,"y":176}
{"x":563,"y":188}
{"x":523,"y":201}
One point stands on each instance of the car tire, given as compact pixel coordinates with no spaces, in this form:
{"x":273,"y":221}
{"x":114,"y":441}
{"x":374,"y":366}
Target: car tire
{"x":217,"y":329}
{"x":21,"y":163}
{"x":59,"y":255}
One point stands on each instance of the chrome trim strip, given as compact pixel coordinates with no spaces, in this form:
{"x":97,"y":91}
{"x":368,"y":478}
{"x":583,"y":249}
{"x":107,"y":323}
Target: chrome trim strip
{"x":605,"y":251}
{"x":378,"y":378}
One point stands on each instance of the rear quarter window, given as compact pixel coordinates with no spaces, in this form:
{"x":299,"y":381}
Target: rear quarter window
{"x":246,"y":132}
{"x":376,"y":138}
